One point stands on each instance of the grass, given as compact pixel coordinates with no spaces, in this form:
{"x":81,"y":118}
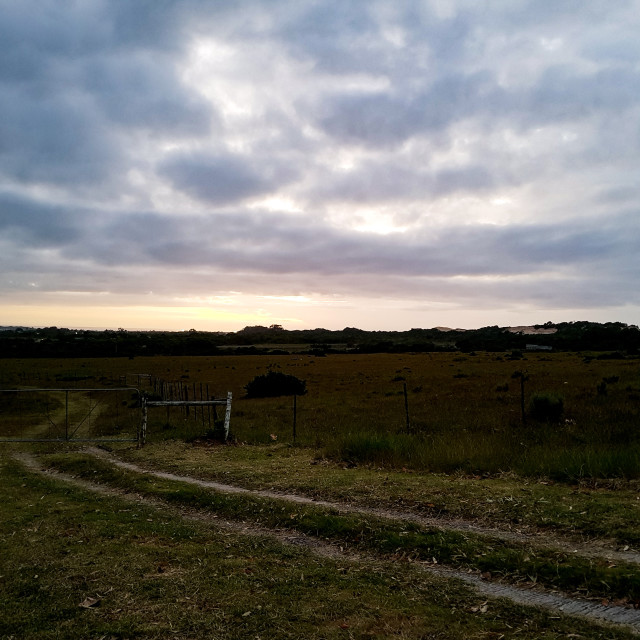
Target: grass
{"x":464,"y":409}
{"x":554,"y":455}
{"x":154,"y":576}
{"x":515,"y":561}
{"x":467,"y":456}
{"x":54,"y":414}
{"x":597,"y":509}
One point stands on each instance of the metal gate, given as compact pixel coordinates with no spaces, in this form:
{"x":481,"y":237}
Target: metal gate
{"x":71,"y":415}
{"x":212,"y":402}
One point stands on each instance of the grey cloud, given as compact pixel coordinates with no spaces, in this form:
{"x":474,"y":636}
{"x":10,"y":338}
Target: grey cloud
{"x":82,"y":83}
{"x":222,"y":178}
{"x":29,"y":224}
{"x":137,"y":91}
{"x":391,"y":118}
{"x":564,"y":94}
{"x":262,"y":248}
{"x":332,"y":35}
{"x":375,"y":182}
{"x":618,"y":194}
{"x":276,"y":243}
{"x":345,"y":38}
{"x":53,"y":139}
{"x":68,"y":74}
{"x":568,"y":13}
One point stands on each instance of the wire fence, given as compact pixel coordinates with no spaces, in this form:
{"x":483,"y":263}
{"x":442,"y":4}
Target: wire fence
{"x":66,"y":415}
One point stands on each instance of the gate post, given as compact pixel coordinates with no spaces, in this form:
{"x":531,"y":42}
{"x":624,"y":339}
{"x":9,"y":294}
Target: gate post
{"x":227,"y":417}
{"x":66,"y":415}
{"x":142,"y":436}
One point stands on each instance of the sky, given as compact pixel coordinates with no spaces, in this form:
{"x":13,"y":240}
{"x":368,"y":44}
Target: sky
{"x":319,"y":163}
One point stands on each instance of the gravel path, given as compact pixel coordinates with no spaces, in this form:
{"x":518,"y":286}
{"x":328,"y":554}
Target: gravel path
{"x":554,"y":602}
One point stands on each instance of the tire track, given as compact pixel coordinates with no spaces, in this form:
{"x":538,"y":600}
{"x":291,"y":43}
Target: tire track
{"x":554,"y":602}
{"x":462,"y":526}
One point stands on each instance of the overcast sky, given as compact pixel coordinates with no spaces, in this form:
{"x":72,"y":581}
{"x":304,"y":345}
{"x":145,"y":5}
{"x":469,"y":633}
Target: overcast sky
{"x":326,"y":163}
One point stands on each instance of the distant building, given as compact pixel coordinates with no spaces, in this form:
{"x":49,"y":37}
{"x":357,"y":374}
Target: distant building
{"x":538,"y":347}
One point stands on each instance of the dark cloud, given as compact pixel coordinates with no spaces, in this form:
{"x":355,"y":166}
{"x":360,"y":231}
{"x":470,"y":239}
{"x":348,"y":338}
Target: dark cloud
{"x":67,"y":76}
{"x":55,"y":139}
{"x":559,"y":96}
{"x":32,"y":225}
{"x":222,"y":178}
{"x":135,"y":90}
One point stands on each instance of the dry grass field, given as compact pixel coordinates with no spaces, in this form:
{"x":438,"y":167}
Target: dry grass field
{"x":464,"y":409}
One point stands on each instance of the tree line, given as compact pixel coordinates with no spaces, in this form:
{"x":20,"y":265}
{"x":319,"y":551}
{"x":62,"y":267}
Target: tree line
{"x":54,"y":342}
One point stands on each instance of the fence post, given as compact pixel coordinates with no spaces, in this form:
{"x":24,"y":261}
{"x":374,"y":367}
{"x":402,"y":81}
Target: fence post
{"x":523,"y":378}
{"x":66,"y":415}
{"x":227,"y":416}
{"x":142,"y":438}
{"x":406,"y":406}
{"x":295,"y":416}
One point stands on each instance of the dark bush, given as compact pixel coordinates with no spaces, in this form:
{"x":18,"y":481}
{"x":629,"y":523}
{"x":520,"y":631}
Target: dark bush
{"x":546,"y":407}
{"x":275,"y":383}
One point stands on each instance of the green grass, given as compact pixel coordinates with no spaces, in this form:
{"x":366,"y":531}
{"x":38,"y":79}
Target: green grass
{"x":156,"y":576}
{"x":594,"y":509}
{"x":527,"y":454}
{"x":512,"y":560}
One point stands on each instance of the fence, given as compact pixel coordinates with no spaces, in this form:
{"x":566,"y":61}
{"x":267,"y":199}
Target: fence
{"x":202,"y":404}
{"x":66,"y":415}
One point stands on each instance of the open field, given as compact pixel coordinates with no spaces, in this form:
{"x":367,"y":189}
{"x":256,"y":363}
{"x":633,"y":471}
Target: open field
{"x":194,"y":559}
{"x":464,"y":410}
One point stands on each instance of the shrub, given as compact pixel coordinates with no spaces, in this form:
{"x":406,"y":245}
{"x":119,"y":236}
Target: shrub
{"x":275,"y":383}
{"x":546,"y":407}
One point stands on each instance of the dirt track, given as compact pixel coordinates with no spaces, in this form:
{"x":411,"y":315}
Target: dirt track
{"x":527,"y":596}
{"x":593,"y":550}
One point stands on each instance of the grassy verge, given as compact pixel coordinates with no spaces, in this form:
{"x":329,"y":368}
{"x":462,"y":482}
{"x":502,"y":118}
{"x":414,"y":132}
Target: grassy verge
{"x":516,"y":562}
{"x":140,"y":572}
{"x":605,"y":510}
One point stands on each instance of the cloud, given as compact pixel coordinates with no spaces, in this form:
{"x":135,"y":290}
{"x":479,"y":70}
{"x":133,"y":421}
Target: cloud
{"x":494,"y":150}
{"x":223,"y":178}
{"x":29,"y":224}
{"x":69,"y":76}
{"x":136,"y":90}
{"x":273,"y":243}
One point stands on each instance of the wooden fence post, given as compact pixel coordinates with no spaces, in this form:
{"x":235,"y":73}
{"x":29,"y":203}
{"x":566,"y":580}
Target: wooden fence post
{"x":406,"y":406}
{"x":295,"y":416}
